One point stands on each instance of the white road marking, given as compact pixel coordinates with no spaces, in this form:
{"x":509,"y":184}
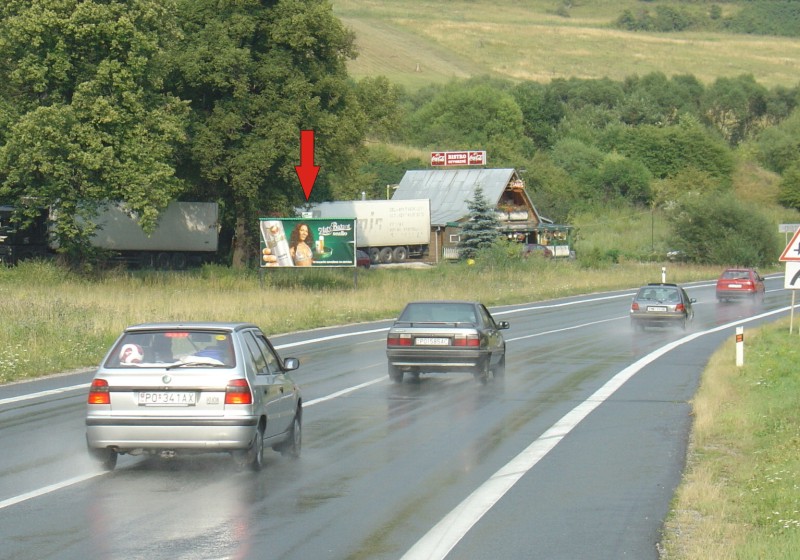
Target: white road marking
{"x":47,"y":489}
{"x":524,"y":458}
{"x":30,"y":396}
{"x":437,"y":543}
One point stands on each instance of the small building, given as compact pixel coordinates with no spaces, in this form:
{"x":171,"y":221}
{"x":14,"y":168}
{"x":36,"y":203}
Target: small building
{"x":450,"y":190}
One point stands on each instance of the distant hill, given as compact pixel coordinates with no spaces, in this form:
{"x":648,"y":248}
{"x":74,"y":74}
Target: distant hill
{"x":417,"y":43}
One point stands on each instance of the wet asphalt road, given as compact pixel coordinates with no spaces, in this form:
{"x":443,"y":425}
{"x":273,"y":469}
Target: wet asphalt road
{"x":575,"y":454}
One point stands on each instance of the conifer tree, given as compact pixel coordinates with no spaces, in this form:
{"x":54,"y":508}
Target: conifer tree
{"x":480,"y":229}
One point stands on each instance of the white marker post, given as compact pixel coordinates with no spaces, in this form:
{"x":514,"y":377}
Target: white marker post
{"x":739,"y":346}
{"x":663,"y":274}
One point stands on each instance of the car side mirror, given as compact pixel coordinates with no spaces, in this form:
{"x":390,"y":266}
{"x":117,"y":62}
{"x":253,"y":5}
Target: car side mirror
{"x":693,"y":300}
{"x":290,"y":364}
{"x":503,"y":325}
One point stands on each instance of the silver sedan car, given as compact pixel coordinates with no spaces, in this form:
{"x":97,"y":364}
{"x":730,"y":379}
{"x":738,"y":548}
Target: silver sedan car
{"x":170,"y":388}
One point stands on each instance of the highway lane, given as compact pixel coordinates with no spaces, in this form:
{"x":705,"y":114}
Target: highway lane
{"x":383,"y":464}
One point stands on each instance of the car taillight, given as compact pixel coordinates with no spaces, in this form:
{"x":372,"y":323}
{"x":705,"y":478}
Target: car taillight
{"x":466,"y":340}
{"x":680,"y":307}
{"x":634,"y":306}
{"x":98,"y":392}
{"x":398,"y":340}
{"x":238,"y":392}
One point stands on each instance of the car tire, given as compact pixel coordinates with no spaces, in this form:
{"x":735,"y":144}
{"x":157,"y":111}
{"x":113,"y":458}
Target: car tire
{"x":106,"y":457}
{"x":482,"y":372}
{"x":293,"y":444}
{"x":253,"y":457}
{"x":395,"y":374}
{"x":500,"y":369}
{"x":374,"y":255}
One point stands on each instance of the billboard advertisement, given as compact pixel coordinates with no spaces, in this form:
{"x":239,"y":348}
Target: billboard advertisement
{"x":312,"y":242}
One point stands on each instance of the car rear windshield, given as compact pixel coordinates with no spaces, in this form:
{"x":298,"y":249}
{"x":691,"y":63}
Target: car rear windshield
{"x":736,"y":275}
{"x":439,"y":313}
{"x":160,"y":348}
{"x":659,"y":294}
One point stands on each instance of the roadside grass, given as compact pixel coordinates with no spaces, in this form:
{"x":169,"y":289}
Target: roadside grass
{"x":740,"y":496}
{"x":57,"y":321}
{"x":416,"y":43}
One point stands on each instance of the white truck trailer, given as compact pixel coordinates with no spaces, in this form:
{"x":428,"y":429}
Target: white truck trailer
{"x":387,"y":230}
{"x":187,"y":234}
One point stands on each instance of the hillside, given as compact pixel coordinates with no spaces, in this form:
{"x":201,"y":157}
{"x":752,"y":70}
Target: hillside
{"x":415,"y":43}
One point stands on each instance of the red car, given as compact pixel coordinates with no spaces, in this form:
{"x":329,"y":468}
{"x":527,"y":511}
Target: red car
{"x":740,"y":283}
{"x":362,"y":259}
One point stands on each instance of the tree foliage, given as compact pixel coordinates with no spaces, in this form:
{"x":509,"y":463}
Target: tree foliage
{"x":91,"y":120}
{"x":479,"y":231}
{"x":258,"y":73}
{"x":720,"y":230}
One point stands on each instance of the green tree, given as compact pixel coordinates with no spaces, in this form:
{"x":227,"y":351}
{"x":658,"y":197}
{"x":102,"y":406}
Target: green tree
{"x":667,"y":150}
{"x":542,"y":111}
{"x":735,"y":107}
{"x":480,"y":231}
{"x":86,"y":117}
{"x":471,"y":116}
{"x":257,"y":73}
{"x":779,"y":146}
{"x":789,"y":186}
{"x":720,"y":230}
{"x":623,"y":179}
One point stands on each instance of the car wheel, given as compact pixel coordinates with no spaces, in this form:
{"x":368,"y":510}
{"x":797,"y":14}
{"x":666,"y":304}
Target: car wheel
{"x":683,"y":324}
{"x":106,"y":457}
{"x":500,"y":369}
{"x":293,"y":444}
{"x":253,"y":457}
{"x":482,"y":372}
{"x":395,"y":374}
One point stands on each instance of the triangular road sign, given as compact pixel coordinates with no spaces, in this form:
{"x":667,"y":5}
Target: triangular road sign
{"x":792,"y":251}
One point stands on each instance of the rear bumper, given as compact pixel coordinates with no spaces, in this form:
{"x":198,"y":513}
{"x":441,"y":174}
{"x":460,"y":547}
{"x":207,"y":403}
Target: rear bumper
{"x":657,"y":319}
{"x":433,"y":360}
{"x":152,"y":434}
{"x":736,"y":294}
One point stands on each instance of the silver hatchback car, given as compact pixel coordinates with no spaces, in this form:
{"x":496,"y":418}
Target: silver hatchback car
{"x":169,"y":388}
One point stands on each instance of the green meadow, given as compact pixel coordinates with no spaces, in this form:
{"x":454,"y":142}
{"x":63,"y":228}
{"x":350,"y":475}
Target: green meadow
{"x":416,"y":43}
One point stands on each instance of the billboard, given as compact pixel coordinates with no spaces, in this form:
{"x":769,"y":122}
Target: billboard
{"x":312,"y":242}
{"x":458,"y":158}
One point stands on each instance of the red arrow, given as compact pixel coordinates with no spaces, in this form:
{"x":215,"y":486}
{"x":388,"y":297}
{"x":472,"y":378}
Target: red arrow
{"x":307,"y":171}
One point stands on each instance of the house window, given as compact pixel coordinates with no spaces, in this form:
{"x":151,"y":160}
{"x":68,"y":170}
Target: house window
{"x":455,"y":238}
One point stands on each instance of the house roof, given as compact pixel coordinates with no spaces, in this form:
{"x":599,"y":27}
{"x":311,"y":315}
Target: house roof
{"x":449,"y":190}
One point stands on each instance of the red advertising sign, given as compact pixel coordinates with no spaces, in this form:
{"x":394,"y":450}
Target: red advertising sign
{"x":439,"y":159}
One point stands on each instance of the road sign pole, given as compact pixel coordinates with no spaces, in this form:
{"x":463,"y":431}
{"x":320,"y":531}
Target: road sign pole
{"x":791,"y":315}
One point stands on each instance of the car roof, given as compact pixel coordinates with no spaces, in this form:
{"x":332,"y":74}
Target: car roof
{"x":200,"y":325}
{"x":665,"y":284}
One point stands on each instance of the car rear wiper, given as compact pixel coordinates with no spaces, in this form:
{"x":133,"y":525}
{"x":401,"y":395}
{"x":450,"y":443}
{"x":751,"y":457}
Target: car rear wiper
{"x":197,"y":363}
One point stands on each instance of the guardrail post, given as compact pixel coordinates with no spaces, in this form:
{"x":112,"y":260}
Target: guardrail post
{"x":740,"y":346}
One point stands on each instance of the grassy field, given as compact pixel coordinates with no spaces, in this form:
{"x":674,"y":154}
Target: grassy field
{"x":60,"y":321}
{"x":415,"y":43}
{"x":740,"y":497}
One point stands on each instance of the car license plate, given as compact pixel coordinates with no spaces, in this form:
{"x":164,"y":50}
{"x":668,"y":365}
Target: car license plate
{"x":167,"y":398}
{"x":428,"y":341}
{"x":734,"y":285}
{"x":656,"y":308}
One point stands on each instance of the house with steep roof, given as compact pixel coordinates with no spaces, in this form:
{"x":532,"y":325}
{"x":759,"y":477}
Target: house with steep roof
{"x":449,"y":191}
